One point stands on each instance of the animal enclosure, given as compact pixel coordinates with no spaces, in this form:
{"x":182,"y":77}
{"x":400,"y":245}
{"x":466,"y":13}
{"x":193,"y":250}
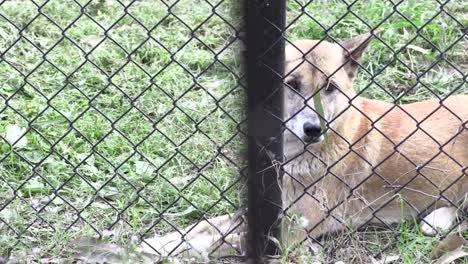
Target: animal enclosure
{"x":126,"y":119}
{"x":419,"y":55}
{"x":118,"y":119}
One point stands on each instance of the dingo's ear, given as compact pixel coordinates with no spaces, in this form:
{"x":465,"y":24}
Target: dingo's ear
{"x":355,"y":50}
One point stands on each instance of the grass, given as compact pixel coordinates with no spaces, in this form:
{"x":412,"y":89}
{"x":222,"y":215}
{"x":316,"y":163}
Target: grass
{"x":126,"y":120}
{"x":132,"y":119}
{"x":432,"y":65}
{"x":434,"y":62}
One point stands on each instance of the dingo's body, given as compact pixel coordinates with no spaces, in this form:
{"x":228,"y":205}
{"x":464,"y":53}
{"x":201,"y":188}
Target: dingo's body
{"x":381,"y":162}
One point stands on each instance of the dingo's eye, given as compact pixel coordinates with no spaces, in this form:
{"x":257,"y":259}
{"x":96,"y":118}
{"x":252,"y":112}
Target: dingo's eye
{"x":331,"y":88}
{"x":293,"y":84}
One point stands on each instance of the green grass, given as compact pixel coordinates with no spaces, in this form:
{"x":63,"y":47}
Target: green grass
{"x":111,"y":142}
{"x":397,"y":68}
{"x":103,"y":130}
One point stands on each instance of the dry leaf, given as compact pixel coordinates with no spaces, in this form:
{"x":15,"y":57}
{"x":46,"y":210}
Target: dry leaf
{"x":418,"y":49}
{"x":93,"y":40}
{"x":14,"y":133}
{"x":453,"y":255}
{"x":448,"y":244}
{"x":144,"y":168}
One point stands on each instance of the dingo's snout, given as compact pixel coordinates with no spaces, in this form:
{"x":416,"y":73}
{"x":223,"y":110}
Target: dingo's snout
{"x":312,"y":132}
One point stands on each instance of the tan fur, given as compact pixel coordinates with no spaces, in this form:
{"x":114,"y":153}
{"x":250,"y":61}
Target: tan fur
{"x":372,"y":176}
{"x":376,"y":189}
{"x":379,"y":165}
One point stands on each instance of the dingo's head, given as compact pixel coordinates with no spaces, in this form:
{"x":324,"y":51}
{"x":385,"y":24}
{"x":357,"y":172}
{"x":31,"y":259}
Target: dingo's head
{"x":312,"y":66}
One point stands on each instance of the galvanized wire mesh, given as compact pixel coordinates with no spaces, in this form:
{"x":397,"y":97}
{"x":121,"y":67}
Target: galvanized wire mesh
{"x":368,"y":170}
{"x":126,"y":118}
{"x":118,"y":119}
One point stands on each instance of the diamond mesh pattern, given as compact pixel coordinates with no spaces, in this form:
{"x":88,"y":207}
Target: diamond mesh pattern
{"x":420,"y":46}
{"x":117,"y":117}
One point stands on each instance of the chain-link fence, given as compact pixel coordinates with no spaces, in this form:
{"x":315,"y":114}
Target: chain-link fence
{"x":119,"y":119}
{"x":364,"y":171}
{"x":125,"y":120}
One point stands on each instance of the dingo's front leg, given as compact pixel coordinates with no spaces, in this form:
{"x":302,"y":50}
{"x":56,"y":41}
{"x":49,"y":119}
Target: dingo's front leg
{"x":219,"y":236}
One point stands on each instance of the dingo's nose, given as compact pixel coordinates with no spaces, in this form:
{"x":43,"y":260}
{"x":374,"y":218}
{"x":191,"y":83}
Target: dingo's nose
{"x":312,"y":131}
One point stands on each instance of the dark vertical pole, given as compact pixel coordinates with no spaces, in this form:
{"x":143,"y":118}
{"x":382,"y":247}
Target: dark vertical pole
{"x":265,"y":66}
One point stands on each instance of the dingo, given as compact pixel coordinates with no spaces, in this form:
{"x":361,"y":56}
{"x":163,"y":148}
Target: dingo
{"x":381,"y":162}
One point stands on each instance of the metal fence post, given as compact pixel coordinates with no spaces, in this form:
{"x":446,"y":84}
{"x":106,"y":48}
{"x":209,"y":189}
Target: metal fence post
{"x":265,"y":64}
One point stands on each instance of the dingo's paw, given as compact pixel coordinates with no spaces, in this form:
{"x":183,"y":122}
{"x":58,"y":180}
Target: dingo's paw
{"x":174,"y":245}
{"x":439,"y":220}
